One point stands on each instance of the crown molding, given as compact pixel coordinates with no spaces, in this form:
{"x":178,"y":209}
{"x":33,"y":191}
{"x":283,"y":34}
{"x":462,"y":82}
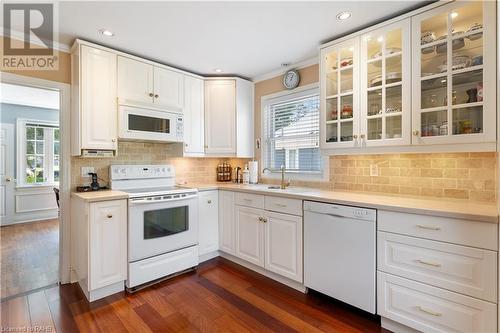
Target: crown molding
{"x":14,"y":34}
{"x":281,"y":71}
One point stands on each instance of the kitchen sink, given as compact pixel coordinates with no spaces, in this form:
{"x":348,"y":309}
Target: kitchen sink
{"x":273,"y":187}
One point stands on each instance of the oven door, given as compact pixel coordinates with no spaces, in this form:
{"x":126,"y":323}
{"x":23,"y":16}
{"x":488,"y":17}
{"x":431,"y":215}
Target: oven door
{"x":160,"y":227}
{"x":151,"y":125}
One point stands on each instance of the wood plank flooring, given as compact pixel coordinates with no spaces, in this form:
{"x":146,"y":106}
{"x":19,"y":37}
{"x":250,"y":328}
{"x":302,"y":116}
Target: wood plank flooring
{"x":29,"y":256}
{"x":219,"y":297}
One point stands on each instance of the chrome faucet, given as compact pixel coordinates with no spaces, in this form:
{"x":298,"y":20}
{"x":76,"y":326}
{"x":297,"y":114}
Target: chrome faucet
{"x":284,"y":183}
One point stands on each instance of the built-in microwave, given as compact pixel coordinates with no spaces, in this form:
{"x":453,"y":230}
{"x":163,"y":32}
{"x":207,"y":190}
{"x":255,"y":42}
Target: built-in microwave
{"x":136,"y":123}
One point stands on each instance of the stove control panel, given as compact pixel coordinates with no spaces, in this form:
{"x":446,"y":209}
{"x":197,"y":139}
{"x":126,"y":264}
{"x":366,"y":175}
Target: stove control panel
{"x":119,"y":172}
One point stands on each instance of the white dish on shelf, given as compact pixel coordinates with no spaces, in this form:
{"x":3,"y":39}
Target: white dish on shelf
{"x":390,"y":78}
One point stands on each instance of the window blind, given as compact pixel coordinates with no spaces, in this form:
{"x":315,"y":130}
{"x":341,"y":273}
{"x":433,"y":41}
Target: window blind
{"x":291,"y":134}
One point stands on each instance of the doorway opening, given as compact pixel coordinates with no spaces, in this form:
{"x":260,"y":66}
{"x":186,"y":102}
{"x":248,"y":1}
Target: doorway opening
{"x":30,"y":174}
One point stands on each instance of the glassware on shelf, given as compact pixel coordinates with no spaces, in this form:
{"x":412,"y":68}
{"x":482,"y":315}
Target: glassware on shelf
{"x":393,"y":127}
{"x":468,"y":120}
{"x":468,"y":87}
{"x":332,"y":132}
{"x":374,"y":129}
{"x":431,"y":122}
{"x":346,"y":131}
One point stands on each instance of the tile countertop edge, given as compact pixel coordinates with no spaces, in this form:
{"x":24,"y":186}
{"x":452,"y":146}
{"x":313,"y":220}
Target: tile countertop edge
{"x":103,"y":195}
{"x":412,"y":205}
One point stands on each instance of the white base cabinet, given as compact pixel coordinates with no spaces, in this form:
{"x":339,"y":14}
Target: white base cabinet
{"x":226,"y":222}
{"x":264,"y":238}
{"x":208,"y":226}
{"x":99,"y":249}
{"x":437,"y":274}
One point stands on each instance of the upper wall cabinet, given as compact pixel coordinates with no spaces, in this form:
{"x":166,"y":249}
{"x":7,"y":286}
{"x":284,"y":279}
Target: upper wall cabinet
{"x":93,"y":89}
{"x":386,"y":86}
{"x":229,"y":117}
{"x":194,"y":125}
{"x":425,"y":79}
{"x":339,"y":75}
{"x":454,"y":74}
{"x":143,"y":83}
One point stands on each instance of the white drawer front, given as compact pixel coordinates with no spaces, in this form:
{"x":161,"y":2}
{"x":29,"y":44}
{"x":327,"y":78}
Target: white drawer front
{"x":462,"y":269}
{"x":478,"y":234}
{"x":249,"y":200}
{"x":430,"y":309}
{"x":283,"y":205}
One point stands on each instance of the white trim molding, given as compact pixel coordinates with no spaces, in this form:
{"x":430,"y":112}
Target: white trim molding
{"x":65,"y":162}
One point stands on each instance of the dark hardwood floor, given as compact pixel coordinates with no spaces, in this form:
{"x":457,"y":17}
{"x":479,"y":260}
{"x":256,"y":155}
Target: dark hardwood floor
{"x":29,"y":257}
{"x":219,"y":297}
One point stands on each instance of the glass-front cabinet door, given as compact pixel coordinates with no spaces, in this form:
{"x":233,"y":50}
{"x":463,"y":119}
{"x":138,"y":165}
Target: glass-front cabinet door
{"x":339,"y":94}
{"x":454,"y":74}
{"x":385,"y":86}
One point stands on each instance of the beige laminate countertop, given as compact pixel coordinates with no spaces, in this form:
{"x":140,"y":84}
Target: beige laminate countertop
{"x":460,"y":209}
{"x":102,"y":195}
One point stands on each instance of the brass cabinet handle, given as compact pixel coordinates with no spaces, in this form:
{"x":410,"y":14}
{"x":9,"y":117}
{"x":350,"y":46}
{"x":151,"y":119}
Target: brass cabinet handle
{"x":261,"y":219}
{"x":156,"y":95}
{"x":264,"y":220}
{"x":428,"y":227}
{"x":362,"y":136}
{"x":355,"y":136}
{"x":428,"y":263}
{"x":109,"y":216}
{"x":209,"y":201}
{"x":151,"y":94}
{"x":432,"y":313}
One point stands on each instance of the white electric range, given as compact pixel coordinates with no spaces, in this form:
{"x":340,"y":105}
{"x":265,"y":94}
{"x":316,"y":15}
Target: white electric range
{"x":162,"y":222}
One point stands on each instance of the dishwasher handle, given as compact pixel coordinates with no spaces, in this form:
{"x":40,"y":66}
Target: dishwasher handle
{"x":341,"y":211}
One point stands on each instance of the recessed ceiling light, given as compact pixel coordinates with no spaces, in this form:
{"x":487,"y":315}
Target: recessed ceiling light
{"x":454,"y":14}
{"x":344,"y":16}
{"x":380,"y":39}
{"x":106,"y":33}
{"x":218,"y":70}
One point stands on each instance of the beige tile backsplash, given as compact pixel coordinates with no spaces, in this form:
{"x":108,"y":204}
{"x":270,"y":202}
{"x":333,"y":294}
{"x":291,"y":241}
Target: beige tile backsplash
{"x":470,"y":176}
{"x":200,"y":170}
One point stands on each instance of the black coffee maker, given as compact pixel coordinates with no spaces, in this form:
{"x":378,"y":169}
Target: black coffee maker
{"x":94,"y":186}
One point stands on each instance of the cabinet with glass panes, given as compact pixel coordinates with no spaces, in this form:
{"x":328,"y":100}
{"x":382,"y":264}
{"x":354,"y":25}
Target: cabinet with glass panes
{"x":339,"y":98}
{"x":454,"y":74}
{"x":385,"y":85}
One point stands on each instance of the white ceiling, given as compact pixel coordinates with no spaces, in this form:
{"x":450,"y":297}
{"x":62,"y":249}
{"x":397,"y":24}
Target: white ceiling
{"x":247,"y":39}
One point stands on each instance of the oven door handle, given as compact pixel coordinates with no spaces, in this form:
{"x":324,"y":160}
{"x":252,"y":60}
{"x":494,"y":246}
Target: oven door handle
{"x":142,"y":201}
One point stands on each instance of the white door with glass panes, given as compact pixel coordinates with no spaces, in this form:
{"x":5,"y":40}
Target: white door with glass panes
{"x":386,"y":86}
{"x":454,"y":71}
{"x":339,"y":73}
{"x":8,"y":181}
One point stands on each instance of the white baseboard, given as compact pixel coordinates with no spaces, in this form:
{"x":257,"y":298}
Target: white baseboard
{"x":208,"y":256}
{"x":396,"y":327}
{"x":290,"y":283}
{"x":32,"y":217}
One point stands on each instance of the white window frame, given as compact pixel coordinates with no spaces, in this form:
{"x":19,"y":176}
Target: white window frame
{"x":21,"y":153}
{"x":281,"y":97}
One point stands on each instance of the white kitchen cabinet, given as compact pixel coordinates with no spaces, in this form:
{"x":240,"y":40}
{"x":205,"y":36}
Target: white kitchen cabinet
{"x":194,"y":124}
{"x":339,"y":95}
{"x":208,"y":225}
{"x":144,"y":84}
{"x":99,"y":250}
{"x":168,"y":88}
{"x":226,"y":222}
{"x":229,"y":117}
{"x":135,"y":81}
{"x":386,"y":86}
{"x":94,"y":110}
{"x":220,"y":117}
{"x":454,"y":73}
{"x":249,"y":234}
{"x":283,"y":245}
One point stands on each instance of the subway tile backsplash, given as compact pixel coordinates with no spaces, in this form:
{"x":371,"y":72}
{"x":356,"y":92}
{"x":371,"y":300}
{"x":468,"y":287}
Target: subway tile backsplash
{"x":470,"y":176}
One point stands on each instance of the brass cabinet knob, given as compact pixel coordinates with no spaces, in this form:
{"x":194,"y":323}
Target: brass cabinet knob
{"x":109,"y":216}
{"x":416,"y":132}
{"x":151,"y":94}
{"x":113,"y":140}
{"x":260,"y":219}
{"x":362,"y":136}
{"x":156,"y":95}
{"x":355,"y":136}
{"x":209,"y":201}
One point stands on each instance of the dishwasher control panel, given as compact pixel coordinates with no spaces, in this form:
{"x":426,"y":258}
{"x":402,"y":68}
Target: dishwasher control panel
{"x":341,"y":210}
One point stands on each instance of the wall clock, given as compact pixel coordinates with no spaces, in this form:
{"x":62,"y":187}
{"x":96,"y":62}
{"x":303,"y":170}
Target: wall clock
{"x":291,"y":79}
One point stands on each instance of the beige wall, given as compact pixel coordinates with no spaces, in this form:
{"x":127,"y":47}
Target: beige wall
{"x":459,"y":175}
{"x":63,"y":74}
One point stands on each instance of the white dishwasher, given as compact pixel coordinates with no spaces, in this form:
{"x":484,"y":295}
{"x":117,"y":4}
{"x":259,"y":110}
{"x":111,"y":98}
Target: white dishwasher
{"x":340,"y":252}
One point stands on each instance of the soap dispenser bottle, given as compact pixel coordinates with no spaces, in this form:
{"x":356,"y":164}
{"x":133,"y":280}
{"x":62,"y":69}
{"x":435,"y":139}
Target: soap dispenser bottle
{"x":246,"y":175}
